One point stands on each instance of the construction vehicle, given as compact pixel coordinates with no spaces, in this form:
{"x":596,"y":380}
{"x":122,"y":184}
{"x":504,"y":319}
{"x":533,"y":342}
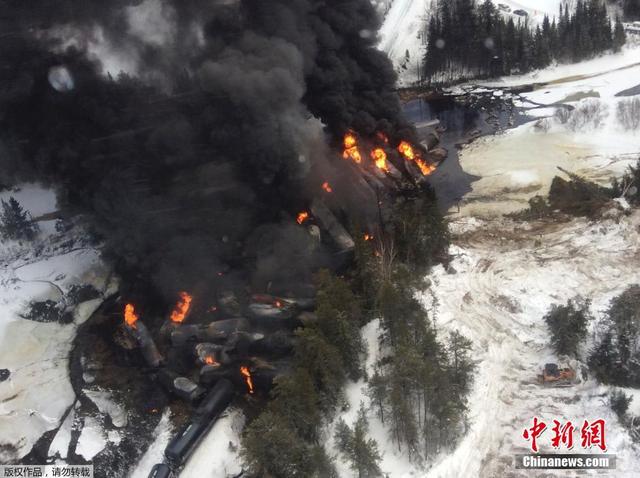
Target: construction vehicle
{"x":554,"y":376}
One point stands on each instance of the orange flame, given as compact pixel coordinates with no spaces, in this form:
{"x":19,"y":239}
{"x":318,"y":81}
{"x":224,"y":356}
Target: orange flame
{"x":380,"y":158}
{"x":182,"y":308}
{"x":278,"y":304}
{"x":247,"y":378}
{"x":351,"y":148}
{"x":425,"y":168}
{"x":368,"y":237}
{"x":302,"y":216}
{"x":209,"y":360}
{"x":382,"y":137}
{"x":407,"y":151}
{"x":130,"y":316}
{"x":327,"y":187}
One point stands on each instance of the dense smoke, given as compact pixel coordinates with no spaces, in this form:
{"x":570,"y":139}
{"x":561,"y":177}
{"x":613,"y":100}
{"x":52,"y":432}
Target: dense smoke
{"x":191,"y":167}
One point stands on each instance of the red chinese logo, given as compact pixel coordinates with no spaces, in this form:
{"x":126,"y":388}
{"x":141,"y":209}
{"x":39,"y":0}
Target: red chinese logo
{"x":562,"y":434}
{"x":534,"y":432}
{"x":591,"y":434}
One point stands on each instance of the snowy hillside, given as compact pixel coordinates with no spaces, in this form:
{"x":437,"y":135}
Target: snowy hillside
{"x":36,"y":394}
{"x":505,"y":275}
{"x":404,"y":21}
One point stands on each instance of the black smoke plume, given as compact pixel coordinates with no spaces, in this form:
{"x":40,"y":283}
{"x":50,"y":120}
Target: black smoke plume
{"x":191,"y":168}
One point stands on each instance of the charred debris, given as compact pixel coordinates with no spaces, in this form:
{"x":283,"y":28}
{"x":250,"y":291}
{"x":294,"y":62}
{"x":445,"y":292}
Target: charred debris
{"x":231,"y":166}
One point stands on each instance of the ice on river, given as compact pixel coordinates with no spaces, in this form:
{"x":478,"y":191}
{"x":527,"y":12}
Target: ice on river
{"x":521,"y":163}
{"x":37,"y":393}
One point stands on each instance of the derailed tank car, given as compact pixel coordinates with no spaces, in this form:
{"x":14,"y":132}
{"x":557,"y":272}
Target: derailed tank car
{"x":183,"y":444}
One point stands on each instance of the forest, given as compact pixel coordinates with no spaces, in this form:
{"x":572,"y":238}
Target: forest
{"x":631,"y":9}
{"x":469,"y":40}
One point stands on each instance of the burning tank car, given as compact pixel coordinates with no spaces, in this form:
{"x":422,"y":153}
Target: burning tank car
{"x":206,"y":363}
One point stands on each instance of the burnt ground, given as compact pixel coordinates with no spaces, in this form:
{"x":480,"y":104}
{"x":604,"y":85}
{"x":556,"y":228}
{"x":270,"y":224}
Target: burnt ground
{"x":96,"y":358}
{"x":98,"y":361}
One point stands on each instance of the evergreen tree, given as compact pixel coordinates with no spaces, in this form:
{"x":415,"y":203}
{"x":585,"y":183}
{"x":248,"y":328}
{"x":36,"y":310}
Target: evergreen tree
{"x":362,"y":452}
{"x":378,"y":391}
{"x":619,"y":35}
{"x":15,"y":222}
{"x":295,"y":398}
{"x":270,"y":448}
{"x":339,"y":319}
{"x":616,"y":357}
{"x":480,"y":42}
{"x":619,"y":402}
{"x":322,"y":361}
{"x":425,"y":382}
{"x":631,"y":9}
{"x":568,"y":326}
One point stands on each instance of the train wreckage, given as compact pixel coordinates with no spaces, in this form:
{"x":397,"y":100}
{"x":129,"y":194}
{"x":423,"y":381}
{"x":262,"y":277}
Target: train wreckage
{"x":244,"y":349}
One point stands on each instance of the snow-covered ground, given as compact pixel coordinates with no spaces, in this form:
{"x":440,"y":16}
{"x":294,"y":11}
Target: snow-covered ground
{"x":521,"y":163}
{"x":394,"y":463}
{"x":37,"y":393}
{"x":506,"y":275}
{"x":402,"y":32}
{"x":404,"y":23}
{"x":506,"y":278}
{"x":217,"y":455}
{"x":154,"y":453}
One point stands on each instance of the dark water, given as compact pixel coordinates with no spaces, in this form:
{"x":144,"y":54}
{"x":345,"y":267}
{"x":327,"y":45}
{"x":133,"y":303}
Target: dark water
{"x":461,"y":119}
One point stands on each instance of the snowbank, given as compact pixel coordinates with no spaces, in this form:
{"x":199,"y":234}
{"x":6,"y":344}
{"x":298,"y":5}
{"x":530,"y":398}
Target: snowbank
{"x":507,"y":279}
{"x":217,"y":455}
{"x":521,"y":163}
{"x":154,"y":454}
{"x":38,"y":393}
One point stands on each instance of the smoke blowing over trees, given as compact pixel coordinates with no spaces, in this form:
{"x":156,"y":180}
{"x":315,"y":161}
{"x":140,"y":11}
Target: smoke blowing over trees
{"x":191,"y":168}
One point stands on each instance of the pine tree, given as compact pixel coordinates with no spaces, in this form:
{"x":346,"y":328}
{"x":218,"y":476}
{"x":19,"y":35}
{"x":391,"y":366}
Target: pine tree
{"x":616,"y":357}
{"x":631,"y":9}
{"x":378,"y":390}
{"x":339,"y":318}
{"x":480,"y":42}
{"x":296,"y":399}
{"x":362,"y":452}
{"x":15,"y":222}
{"x":568,"y":326}
{"x":619,"y":35}
{"x":271,"y":448}
{"x":322,"y":360}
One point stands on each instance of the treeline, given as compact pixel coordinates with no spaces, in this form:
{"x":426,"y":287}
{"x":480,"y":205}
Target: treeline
{"x":465,"y":39}
{"x":631,"y":9}
{"x":420,"y":385}
{"x":284,"y":440}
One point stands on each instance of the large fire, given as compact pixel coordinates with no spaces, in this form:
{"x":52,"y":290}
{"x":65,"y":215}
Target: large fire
{"x":327,"y":187}
{"x":302,"y":216}
{"x":351,"y":148}
{"x":407,"y":151}
{"x":380,"y":158}
{"x":247,"y":378}
{"x":130,"y":316}
{"x":182,"y":308}
{"x":425,"y":167}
